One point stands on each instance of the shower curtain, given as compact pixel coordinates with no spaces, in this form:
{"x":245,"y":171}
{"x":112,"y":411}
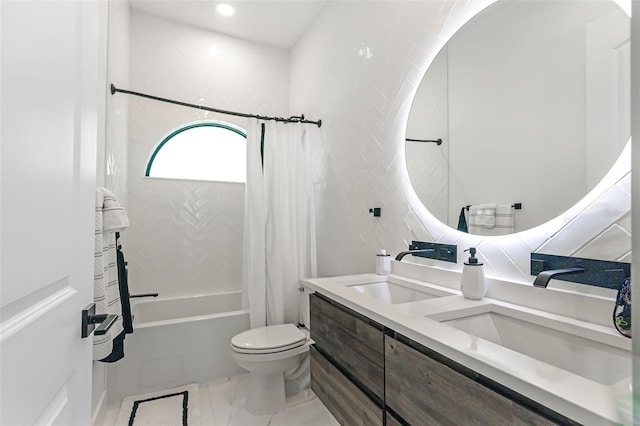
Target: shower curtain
{"x":279,"y":245}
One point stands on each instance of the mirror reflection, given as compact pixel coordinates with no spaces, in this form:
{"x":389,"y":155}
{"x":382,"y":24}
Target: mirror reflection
{"x":531,"y":101}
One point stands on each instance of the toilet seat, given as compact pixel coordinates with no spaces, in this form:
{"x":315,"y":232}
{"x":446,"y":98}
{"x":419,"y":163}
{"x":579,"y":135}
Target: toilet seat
{"x":269,"y":339}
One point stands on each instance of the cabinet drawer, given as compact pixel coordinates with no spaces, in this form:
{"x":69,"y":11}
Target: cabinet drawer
{"x":425,"y":391}
{"x":348,"y":404}
{"x":391,"y":420}
{"x":351,"y":340}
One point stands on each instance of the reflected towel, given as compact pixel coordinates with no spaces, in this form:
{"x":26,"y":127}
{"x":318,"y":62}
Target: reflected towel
{"x":493,"y":219}
{"x":482,"y":215}
{"x":462,"y":221}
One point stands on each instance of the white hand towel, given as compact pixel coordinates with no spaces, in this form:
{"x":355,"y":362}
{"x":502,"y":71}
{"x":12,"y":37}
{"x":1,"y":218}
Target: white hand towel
{"x":482,"y":215}
{"x":491,"y":219}
{"x":114,"y":217}
{"x":105,"y":278}
{"x":505,"y":219}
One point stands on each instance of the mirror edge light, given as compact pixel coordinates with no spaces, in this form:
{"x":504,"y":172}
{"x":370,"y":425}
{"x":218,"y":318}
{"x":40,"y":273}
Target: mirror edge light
{"x":554,"y":234}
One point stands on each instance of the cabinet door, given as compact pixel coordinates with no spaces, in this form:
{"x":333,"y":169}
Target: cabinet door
{"x":352,"y":340}
{"x":425,"y":391}
{"x":348,"y":404}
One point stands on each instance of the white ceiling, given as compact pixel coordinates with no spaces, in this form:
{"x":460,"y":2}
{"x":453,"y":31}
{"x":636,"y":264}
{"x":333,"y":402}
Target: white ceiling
{"x":274,"y":23}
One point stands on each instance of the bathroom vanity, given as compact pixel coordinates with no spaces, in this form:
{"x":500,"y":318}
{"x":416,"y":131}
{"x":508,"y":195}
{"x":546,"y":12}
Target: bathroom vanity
{"x":403,"y":350}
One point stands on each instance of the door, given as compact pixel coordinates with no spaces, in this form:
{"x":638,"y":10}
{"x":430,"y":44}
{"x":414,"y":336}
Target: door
{"x":48,"y":84}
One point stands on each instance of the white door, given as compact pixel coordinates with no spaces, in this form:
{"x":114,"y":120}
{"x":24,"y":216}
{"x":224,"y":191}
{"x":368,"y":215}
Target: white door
{"x":48,"y":74}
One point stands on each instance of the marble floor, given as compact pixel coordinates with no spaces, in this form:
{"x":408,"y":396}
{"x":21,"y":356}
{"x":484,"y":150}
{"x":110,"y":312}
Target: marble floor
{"x":222,"y":404}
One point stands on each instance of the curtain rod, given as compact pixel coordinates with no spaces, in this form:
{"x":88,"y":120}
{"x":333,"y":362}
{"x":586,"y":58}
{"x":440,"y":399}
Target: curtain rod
{"x":293,"y":119}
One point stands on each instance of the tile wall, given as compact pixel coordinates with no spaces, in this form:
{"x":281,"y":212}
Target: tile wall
{"x":357,"y":69}
{"x":186,"y":236}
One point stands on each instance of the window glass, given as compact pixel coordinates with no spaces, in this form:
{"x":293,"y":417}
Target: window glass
{"x":206,"y":150}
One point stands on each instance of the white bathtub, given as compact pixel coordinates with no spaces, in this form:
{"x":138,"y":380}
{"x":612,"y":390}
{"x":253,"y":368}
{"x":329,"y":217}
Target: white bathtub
{"x":178,"y":341}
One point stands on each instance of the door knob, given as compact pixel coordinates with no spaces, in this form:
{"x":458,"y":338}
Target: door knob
{"x":90,"y":319}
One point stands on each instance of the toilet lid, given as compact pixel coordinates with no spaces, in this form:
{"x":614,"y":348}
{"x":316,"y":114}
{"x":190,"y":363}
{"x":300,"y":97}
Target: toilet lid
{"x":272,"y":338}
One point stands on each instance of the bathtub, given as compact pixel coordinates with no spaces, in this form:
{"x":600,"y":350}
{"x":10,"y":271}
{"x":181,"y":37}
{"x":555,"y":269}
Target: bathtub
{"x":177,"y":341}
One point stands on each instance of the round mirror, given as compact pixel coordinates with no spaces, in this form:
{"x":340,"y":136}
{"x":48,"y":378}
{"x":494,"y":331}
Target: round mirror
{"x":530,"y":100}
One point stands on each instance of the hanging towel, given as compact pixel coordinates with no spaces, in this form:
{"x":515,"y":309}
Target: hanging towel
{"x":505,"y":219}
{"x":482,"y":216}
{"x":123,"y":281}
{"x":491,"y":219}
{"x":109,"y":218}
{"x":462,"y":221}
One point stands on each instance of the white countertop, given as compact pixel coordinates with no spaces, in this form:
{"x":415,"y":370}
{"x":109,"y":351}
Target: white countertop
{"x":576,"y":397}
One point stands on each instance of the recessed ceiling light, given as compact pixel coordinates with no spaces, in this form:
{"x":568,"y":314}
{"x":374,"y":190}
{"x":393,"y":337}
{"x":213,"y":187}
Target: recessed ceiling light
{"x":225,"y":9}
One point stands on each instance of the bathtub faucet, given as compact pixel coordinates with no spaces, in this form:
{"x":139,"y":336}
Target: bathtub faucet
{"x":131,"y":296}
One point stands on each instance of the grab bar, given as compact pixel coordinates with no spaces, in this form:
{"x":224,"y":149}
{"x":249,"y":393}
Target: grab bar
{"x":143,"y":295}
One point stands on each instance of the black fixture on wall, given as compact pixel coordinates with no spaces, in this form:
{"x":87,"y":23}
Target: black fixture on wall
{"x":436,"y":141}
{"x":437,"y":251}
{"x":376,"y":211}
{"x":599,"y":273}
{"x":515,"y":206}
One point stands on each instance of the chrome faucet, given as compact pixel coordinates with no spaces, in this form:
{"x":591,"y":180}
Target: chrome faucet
{"x":543,"y":278}
{"x":404,"y":253}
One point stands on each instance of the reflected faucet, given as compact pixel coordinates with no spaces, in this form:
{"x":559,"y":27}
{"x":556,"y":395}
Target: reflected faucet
{"x":404,"y":253}
{"x":543,"y":278}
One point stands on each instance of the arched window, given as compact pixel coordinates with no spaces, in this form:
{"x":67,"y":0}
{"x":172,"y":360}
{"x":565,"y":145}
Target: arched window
{"x":203,"y":150}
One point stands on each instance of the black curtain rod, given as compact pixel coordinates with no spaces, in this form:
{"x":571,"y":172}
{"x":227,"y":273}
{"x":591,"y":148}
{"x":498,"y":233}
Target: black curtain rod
{"x":293,"y":119}
{"x":437,"y":141}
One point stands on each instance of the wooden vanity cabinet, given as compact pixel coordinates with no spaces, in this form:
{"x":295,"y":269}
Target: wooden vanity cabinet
{"x":346,"y":401}
{"x":347,"y":362}
{"x":366,"y":374}
{"x":423,"y":390}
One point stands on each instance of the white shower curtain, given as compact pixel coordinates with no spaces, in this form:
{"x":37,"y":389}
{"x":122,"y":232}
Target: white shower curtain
{"x":279,"y":228}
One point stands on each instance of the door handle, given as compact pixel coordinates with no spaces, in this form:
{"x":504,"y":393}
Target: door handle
{"x":90,"y":319}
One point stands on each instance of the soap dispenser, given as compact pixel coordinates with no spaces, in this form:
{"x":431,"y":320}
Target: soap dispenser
{"x":383,"y":263}
{"x":473,"y":284}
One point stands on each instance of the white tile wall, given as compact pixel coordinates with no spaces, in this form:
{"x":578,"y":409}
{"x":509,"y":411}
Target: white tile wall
{"x":186,"y":236}
{"x":357,"y":69}
{"x":117,"y":122}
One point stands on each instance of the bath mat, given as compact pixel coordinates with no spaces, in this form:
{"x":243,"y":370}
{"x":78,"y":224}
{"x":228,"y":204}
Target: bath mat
{"x":172,"y":407}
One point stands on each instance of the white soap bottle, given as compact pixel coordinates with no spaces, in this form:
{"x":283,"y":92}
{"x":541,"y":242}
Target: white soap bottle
{"x":473,"y":284}
{"x":383,"y":263}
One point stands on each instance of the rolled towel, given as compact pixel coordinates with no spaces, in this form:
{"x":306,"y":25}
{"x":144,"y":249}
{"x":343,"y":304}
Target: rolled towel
{"x":114,"y":217}
{"x":482,"y":215}
{"x":505,"y":219}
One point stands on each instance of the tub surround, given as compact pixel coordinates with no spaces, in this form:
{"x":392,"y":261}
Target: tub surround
{"x":583,"y":400}
{"x":177,"y":341}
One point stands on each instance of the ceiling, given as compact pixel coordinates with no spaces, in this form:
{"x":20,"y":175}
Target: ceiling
{"x":274,"y":23}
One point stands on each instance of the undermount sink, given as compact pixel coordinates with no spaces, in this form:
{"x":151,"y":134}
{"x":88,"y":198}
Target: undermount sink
{"x":590,"y":352}
{"x":396,"y":292}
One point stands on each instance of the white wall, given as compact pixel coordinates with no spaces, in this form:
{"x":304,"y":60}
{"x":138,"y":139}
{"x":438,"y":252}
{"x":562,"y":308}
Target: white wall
{"x":112,"y":143}
{"x":635,"y":130}
{"x":357,"y":69}
{"x":186,"y":236}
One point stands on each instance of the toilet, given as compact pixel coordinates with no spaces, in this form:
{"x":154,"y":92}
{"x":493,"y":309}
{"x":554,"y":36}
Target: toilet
{"x":267,"y":353}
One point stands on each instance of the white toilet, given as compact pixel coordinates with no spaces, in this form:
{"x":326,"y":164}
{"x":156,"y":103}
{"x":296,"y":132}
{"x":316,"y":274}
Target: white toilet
{"x":267,"y":353}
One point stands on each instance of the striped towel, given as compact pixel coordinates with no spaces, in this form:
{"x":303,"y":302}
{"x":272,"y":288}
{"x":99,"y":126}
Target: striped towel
{"x":491,"y":219}
{"x":110,"y":217}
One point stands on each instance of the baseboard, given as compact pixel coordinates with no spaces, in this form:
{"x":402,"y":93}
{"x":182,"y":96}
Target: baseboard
{"x":98,"y":415}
